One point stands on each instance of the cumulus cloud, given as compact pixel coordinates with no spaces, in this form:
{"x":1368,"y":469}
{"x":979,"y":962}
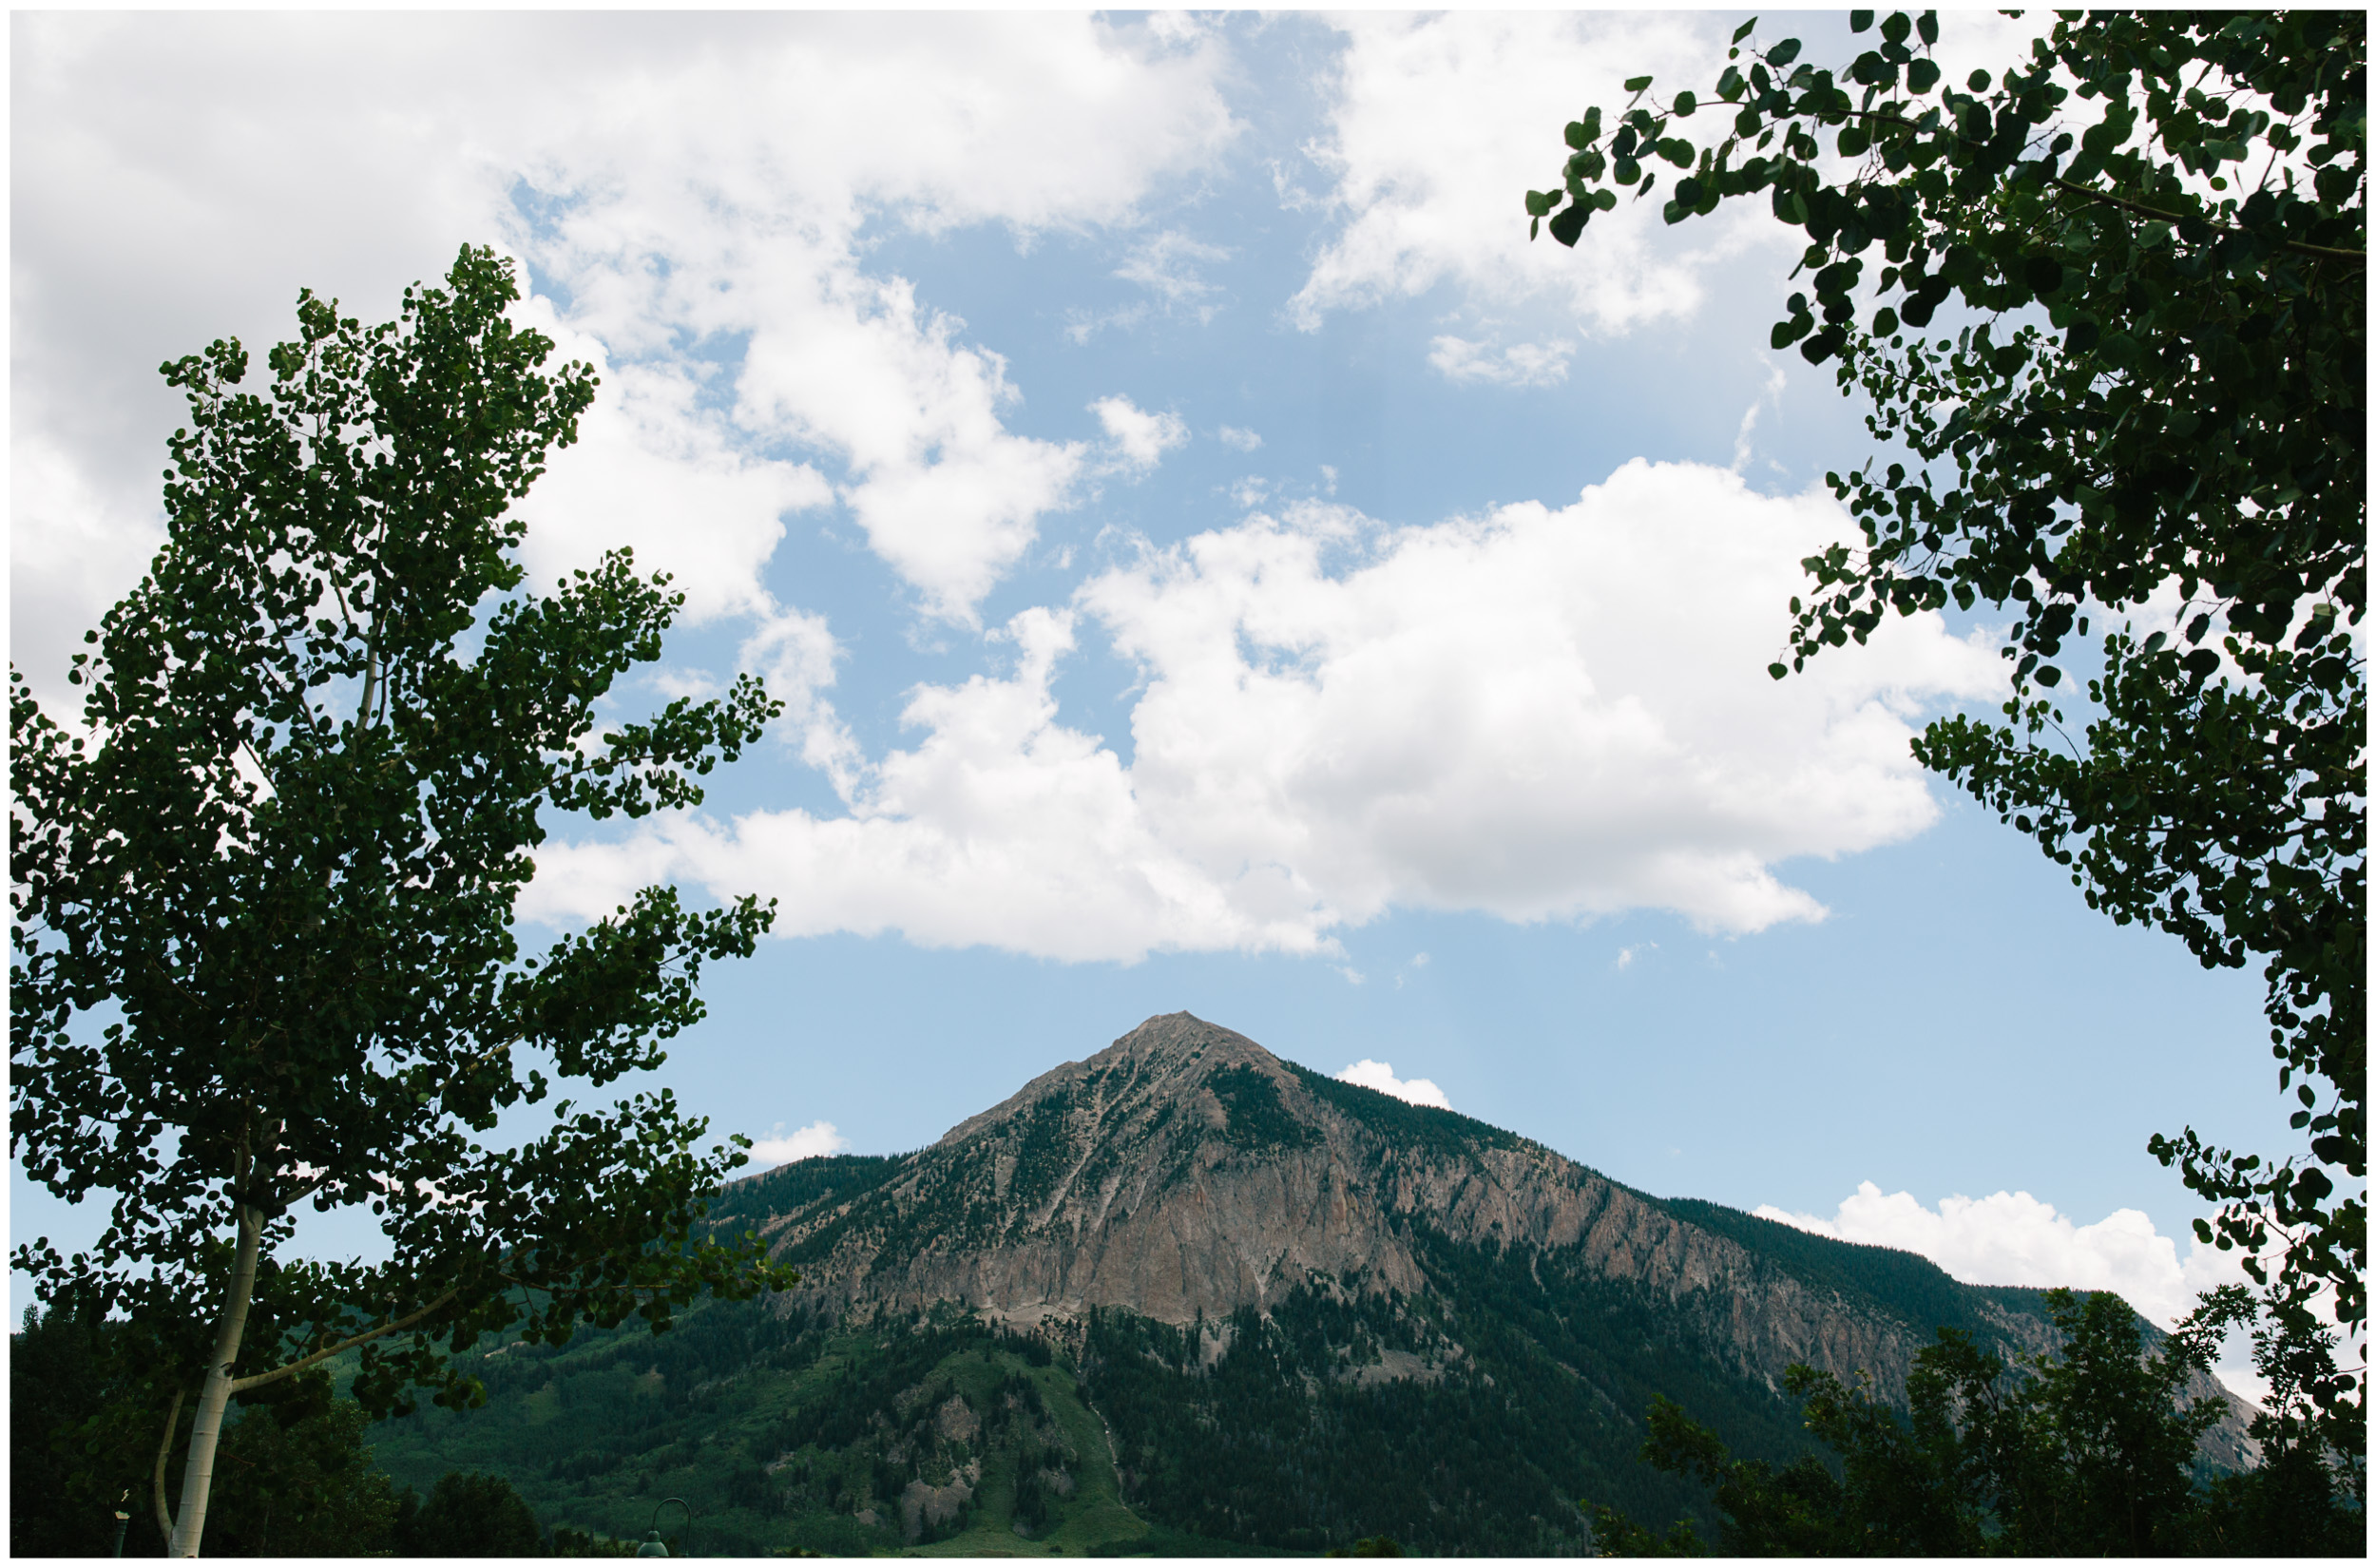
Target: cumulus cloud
{"x":1537,"y":714}
{"x":1139,"y":438}
{"x":781,"y":1148}
{"x":1003,"y":827}
{"x":1438,"y":122}
{"x":1237,"y":440}
{"x":652,"y":473}
{"x":666,"y":182}
{"x":2013,"y":1238}
{"x":1380,"y":1075}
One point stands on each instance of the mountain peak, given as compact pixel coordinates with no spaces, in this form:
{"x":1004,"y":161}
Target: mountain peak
{"x":1170,"y":1057}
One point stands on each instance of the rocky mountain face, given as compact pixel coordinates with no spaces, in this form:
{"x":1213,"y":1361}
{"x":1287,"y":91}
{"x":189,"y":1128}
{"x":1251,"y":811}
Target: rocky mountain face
{"x":1246,"y":1258}
{"x":1185,"y":1173}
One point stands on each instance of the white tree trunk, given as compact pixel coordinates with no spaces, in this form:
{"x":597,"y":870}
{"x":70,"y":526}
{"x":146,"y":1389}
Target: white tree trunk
{"x":197,"y":1473}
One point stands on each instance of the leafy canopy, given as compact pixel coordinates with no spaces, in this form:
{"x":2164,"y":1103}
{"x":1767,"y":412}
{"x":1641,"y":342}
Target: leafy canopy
{"x":2150,"y":416}
{"x":263,"y":943}
{"x":2088,"y":1451}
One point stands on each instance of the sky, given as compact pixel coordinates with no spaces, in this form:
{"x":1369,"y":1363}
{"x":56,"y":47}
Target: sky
{"x":1210,"y":559}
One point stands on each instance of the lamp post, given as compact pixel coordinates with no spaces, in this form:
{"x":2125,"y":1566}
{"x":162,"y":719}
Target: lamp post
{"x":653,"y":1546}
{"x":123,"y":1521}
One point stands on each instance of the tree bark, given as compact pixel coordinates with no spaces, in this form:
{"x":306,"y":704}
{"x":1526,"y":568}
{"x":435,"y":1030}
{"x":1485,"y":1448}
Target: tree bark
{"x":198,"y":1471}
{"x":165,"y":1451}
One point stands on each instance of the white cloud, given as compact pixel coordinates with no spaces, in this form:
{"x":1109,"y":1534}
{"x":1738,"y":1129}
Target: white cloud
{"x":1380,"y":1075}
{"x":794,"y":653}
{"x":1510,"y":365}
{"x":947,"y":496}
{"x":690,"y":192}
{"x":1538,"y":713}
{"x":1139,"y":438}
{"x":1002,"y":828}
{"x":1625,"y":956}
{"x":1237,"y":440}
{"x":817,"y":1138}
{"x":2013,"y":1238}
{"x":75,"y":546}
{"x":651,"y":472}
{"x":1166,"y":266}
{"x":1440,"y":121}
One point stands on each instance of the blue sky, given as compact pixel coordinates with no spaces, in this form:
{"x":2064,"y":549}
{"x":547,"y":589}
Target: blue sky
{"x":1212,"y":562}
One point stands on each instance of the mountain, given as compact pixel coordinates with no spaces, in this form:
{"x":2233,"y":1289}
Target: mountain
{"x":1185,"y":1173}
{"x":1184,"y":1293}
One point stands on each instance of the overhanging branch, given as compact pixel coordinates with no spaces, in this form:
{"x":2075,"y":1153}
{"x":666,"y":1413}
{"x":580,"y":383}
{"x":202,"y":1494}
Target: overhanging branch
{"x":239,"y":1386}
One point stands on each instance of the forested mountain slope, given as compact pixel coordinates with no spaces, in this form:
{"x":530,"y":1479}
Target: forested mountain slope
{"x":1187,"y":1286}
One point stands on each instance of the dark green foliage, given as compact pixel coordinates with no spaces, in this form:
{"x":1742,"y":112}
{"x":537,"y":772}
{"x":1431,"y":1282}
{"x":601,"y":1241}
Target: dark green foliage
{"x":2086,"y":1452}
{"x":75,"y":1453}
{"x":1282,"y":1443}
{"x":467,"y":1514}
{"x":264,"y":952}
{"x":301,"y":1488}
{"x":780,"y":1431}
{"x":1043,"y":1152}
{"x":1258,"y":1119}
{"x":567,"y":1542}
{"x":2156,"y":391}
{"x":754,"y":1200}
{"x":1907,"y":1287}
{"x":295,"y":1477}
{"x":1160,"y":1542}
{"x":1417,"y":1130}
{"x":2289,"y":1506}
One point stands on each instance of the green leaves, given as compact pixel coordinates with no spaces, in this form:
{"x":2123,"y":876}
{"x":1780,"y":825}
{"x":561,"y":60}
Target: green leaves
{"x":2086,"y":1451}
{"x":323,"y":733}
{"x":2156,"y":385}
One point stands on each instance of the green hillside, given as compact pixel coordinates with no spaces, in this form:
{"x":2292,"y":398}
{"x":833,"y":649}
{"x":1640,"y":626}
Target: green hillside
{"x":1527,"y":1379}
{"x":789,"y":1432}
{"x":1469,"y":1419}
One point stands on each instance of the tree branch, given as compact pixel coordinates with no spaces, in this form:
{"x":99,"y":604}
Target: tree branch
{"x":240,"y":1386}
{"x":2298,"y":246}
